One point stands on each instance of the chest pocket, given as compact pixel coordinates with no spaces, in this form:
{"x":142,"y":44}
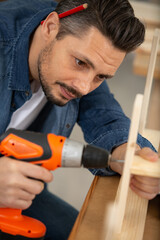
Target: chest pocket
{"x":57,"y":120}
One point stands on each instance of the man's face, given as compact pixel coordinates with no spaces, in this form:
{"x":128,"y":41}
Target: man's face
{"x":72,"y":67}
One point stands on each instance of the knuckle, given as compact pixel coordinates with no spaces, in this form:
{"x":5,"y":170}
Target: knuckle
{"x":49,"y":177}
{"x":151,"y":196}
{"x":42,"y":171}
{"x":26,"y":204}
{"x":13,"y":182}
{"x":32,"y":197}
{"x":11,"y":202}
{"x":157,"y":190}
{"x":39,"y":187}
{"x":45,"y":174}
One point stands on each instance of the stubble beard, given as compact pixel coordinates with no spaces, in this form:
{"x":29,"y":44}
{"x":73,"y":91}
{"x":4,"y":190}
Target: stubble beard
{"x":42,"y":60}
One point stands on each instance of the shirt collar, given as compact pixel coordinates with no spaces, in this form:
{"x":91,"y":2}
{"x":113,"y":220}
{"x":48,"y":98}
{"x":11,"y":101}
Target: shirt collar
{"x":19,"y":77}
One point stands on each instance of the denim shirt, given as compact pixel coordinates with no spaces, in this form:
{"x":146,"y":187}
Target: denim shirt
{"x":98,"y":113}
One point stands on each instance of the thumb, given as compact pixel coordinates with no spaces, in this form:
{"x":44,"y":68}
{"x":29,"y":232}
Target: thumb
{"x":147,"y":154}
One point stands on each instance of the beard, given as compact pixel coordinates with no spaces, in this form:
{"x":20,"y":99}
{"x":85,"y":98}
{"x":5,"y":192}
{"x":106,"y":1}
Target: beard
{"x":43,"y":60}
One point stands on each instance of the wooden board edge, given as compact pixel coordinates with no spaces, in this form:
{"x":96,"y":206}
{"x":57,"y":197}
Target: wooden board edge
{"x":83,"y":209}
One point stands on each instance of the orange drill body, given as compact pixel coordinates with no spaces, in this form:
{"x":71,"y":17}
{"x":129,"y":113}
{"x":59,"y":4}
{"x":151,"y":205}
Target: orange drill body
{"x":49,"y":151}
{"x":14,"y":225}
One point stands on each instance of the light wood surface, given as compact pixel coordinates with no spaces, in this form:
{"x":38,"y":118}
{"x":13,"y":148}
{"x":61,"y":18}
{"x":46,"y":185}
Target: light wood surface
{"x":149,"y":79}
{"x":138,"y":223}
{"x":103,"y":190}
{"x":149,"y":14}
{"x":153,"y":121}
{"x":121,"y":198}
{"x":145,"y":168}
{"x":140,"y":66}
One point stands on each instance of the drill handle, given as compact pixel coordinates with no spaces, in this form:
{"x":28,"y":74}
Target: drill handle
{"x":37,"y":148}
{"x":25,"y":145}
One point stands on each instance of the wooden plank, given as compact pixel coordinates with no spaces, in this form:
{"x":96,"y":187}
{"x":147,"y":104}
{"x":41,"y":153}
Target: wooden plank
{"x":84,"y":209}
{"x":129,"y":210}
{"x":122,"y":194}
{"x":140,"y":65}
{"x":134,"y":218}
{"x":149,"y":34}
{"x":153,"y":121}
{"x":149,"y":79}
{"x":90,"y":225}
{"x":152,"y":227}
{"x":145,"y":48}
{"x":145,"y":168}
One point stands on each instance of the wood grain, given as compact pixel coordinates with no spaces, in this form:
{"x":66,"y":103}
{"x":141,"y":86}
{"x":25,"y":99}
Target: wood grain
{"x":149,"y":79}
{"x":91,"y":225}
{"x":142,"y":167}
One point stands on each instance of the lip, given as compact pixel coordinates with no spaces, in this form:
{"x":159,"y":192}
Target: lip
{"x":66,"y":94}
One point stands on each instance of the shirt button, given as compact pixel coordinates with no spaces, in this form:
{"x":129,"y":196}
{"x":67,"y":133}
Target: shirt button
{"x":67,"y":125}
{"x":13,"y":105}
{"x":26,"y":93}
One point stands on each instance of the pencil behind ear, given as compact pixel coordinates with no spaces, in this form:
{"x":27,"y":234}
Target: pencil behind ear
{"x":50,"y":26}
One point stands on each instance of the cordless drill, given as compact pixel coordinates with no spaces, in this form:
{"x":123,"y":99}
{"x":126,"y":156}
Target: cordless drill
{"x":49,"y":151}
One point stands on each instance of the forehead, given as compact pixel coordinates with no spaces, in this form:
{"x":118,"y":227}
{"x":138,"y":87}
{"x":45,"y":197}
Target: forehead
{"x":97,"y":48}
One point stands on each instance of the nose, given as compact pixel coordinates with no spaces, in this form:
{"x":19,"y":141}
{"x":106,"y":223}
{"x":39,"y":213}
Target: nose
{"x":83,"y":84}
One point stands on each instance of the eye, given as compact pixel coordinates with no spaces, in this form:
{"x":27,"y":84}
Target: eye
{"x":80,"y":63}
{"x":101,"y":77}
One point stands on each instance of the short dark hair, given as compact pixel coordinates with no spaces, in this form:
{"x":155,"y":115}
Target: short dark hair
{"x":115,"y":19}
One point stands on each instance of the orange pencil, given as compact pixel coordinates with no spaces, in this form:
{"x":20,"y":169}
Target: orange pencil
{"x":72,"y":11}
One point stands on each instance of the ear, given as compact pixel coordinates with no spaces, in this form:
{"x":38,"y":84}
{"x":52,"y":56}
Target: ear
{"x":50,"y":26}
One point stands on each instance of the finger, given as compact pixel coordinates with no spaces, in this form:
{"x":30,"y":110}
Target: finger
{"x":141,"y":193}
{"x":147,"y":154}
{"x":152,"y":189}
{"x":32,"y":186}
{"x":18,"y":193}
{"x":34,"y":171}
{"x":146,"y":180}
{"x":20,"y":204}
{"x":19,"y":181}
{"x":14,"y":202}
{"x":23,"y":195}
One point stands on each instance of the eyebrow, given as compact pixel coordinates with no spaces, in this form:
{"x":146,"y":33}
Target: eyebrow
{"x":106,"y":76}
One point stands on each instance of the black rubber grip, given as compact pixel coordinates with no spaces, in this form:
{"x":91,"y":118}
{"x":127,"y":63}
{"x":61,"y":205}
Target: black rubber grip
{"x":34,"y":137}
{"x":95,"y":157}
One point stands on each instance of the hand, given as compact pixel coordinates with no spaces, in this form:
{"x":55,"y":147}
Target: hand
{"x":17,"y":189}
{"x":146,"y":187}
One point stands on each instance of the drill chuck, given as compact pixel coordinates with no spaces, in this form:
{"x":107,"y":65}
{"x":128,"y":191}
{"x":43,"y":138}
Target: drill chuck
{"x":94,"y":157}
{"x":76,"y":154}
{"x":72,"y":153}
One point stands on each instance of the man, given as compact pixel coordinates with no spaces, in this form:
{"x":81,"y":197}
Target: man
{"x":52,"y":76}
